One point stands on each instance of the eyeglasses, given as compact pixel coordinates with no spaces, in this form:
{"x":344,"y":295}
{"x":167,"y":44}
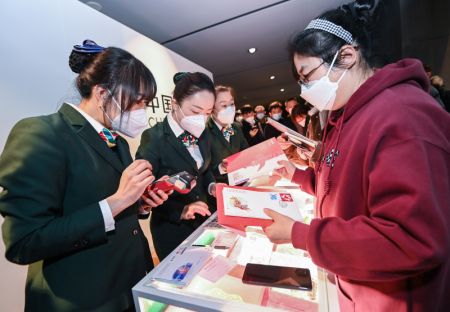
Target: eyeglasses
{"x":305,"y":79}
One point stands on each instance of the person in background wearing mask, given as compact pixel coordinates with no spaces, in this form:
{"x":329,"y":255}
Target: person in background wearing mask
{"x":383,"y":181}
{"x":250,"y":127}
{"x":261,"y":117}
{"x":70,"y":190}
{"x":238,"y":117}
{"x":180,"y":143}
{"x":226,"y":137}
{"x":276,"y":113}
{"x":260,"y":113}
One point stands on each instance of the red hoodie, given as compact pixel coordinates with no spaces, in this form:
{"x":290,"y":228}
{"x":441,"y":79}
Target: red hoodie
{"x":383,"y":196}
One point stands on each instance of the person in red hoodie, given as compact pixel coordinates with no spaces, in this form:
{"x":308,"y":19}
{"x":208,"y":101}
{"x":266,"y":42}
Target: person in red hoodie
{"x":383,"y":180}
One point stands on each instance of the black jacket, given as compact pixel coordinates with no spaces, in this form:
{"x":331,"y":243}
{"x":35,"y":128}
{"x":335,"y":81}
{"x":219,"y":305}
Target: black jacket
{"x":271,"y":132}
{"x":247,"y":127}
{"x":221,"y":148}
{"x":55,"y":170}
{"x":168,"y":156}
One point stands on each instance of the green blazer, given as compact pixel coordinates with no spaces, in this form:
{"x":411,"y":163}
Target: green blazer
{"x":221,"y":148}
{"x":54,"y":171}
{"x":168,"y":156}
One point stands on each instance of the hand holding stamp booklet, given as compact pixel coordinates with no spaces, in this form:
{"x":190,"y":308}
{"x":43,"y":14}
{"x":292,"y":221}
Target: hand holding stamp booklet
{"x":294,"y":137}
{"x":239,"y":207}
{"x":254,"y":162}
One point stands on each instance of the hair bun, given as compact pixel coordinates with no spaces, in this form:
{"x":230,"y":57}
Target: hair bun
{"x":82,"y":55}
{"x":178,"y":76}
{"x":361,"y":10}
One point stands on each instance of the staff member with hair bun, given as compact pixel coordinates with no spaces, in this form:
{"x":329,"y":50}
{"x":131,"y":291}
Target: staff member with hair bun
{"x":70,"y":189}
{"x":383,"y":179}
{"x":180,"y":143}
{"x":226,"y":136}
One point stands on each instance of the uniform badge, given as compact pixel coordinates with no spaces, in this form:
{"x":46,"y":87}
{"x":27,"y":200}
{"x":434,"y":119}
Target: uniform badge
{"x":331,"y":157}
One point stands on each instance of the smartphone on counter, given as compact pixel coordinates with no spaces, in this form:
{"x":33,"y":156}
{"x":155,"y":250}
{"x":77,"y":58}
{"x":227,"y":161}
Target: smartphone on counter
{"x":277,"y":276}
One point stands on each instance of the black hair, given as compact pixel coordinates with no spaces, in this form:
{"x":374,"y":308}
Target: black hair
{"x":187,"y":84}
{"x":427,"y":68}
{"x":247,"y":108}
{"x":128,"y":80}
{"x":360,"y":18}
{"x":299,"y":110}
{"x":275,"y":105}
{"x":291,"y":99}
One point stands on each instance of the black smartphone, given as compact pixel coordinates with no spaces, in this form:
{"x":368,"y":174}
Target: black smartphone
{"x":277,"y":276}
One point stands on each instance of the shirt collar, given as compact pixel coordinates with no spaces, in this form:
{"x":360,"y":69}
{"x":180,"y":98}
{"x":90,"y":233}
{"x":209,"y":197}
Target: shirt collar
{"x":94,"y":123}
{"x":176,"y":129}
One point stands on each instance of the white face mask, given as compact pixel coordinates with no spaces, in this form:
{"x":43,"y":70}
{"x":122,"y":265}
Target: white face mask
{"x":226,"y":116}
{"x":322,"y":93}
{"x":250,"y":119}
{"x":130,"y":123}
{"x":239,"y":118}
{"x":194,"y":124}
{"x":260,"y":115}
{"x":276,"y":116}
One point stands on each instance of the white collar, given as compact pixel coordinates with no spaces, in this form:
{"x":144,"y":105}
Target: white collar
{"x":176,"y":129}
{"x":94,"y":123}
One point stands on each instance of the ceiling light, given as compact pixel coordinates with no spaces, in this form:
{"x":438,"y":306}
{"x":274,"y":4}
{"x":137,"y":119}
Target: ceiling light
{"x":282,"y":90}
{"x":272,"y":77}
{"x":252,"y":50}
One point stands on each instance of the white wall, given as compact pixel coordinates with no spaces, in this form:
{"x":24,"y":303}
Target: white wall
{"x":36,"y":38}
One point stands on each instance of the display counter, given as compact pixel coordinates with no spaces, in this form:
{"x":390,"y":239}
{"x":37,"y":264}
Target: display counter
{"x":218,"y":285}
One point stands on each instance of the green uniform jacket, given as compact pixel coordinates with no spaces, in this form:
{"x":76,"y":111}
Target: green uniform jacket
{"x":54,"y":171}
{"x":221,"y":148}
{"x":168,"y":156}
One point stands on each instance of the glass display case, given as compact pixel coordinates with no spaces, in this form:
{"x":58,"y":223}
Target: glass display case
{"x":217,"y":257}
